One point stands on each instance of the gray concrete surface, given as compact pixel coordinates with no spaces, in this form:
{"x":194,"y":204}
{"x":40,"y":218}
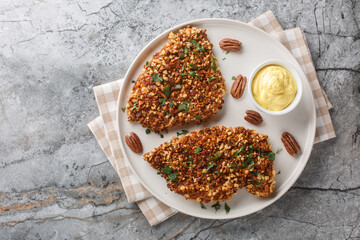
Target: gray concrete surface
{"x":55,"y":182}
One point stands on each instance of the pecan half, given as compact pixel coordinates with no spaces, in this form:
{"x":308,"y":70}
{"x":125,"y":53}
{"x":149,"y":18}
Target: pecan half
{"x":290,"y":144}
{"x":134,"y":143}
{"x":238,"y":87}
{"x":253,"y":117}
{"x":231,"y":45}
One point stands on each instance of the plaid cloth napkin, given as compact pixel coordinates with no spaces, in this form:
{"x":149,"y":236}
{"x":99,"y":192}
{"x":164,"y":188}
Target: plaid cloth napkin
{"x":105,"y":130}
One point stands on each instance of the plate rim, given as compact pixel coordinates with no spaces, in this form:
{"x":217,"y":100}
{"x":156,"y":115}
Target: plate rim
{"x":297,"y":171}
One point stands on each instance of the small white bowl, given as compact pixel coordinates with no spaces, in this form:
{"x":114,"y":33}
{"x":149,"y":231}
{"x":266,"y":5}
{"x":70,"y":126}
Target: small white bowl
{"x":292,"y":70}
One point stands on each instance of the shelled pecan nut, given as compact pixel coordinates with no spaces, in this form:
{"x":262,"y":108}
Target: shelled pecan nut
{"x":253,"y":117}
{"x":290,"y":144}
{"x":134,"y":143}
{"x":238,"y":86}
{"x":231,"y":45}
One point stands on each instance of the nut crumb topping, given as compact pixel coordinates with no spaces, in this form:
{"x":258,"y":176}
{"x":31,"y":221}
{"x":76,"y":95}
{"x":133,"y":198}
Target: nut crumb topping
{"x":213,"y":163}
{"x":181,"y":84}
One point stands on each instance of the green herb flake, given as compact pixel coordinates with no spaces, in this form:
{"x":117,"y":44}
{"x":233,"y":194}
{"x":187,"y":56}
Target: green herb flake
{"x":173,"y":176}
{"x":147,"y":63}
{"x":178,"y":86}
{"x":167,"y":113}
{"x":133,"y":81}
{"x":186,"y":50}
{"x":197,"y":45}
{"x":271,"y":156}
{"x":183,"y":132}
{"x":184,"y":106}
{"x":218,"y":172}
{"x":279,"y":172}
{"x":167,"y":170}
{"x":227,"y":208}
{"x":227,"y":52}
{"x":210,"y":166}
{"x":223,"y":58}
{"x":217,"y":206}
{"x":202,"y":206}
{"x":156,"y":78}
{"x":197,"y":117}
{"x":161,"y":135}
{"x":211,"y":78}
{"x":123,"y":109}
{"x":171,"y":104}
{"x":217,"y":155}
{"x":181,"y":56}
{"x":163,"y":100}
{"x":198,"y":150}
{"x":233,"y":78}
{"x":213,"y":65}
{"x":147,"y":131}
{"x":134,"y":106}
{"x":194,"y":67}
{"x":167,"y":91}
{"x":278,"y":151}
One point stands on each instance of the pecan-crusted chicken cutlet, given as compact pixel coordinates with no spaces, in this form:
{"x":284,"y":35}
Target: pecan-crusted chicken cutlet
{"x":212,"y":164}
{"x":181,"y":84}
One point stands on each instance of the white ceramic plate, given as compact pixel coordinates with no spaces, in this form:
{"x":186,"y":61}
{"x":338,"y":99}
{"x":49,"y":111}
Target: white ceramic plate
{"x":258,"y":46}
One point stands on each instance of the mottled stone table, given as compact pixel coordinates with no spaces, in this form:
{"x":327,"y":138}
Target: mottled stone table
{"x":55,"y":182}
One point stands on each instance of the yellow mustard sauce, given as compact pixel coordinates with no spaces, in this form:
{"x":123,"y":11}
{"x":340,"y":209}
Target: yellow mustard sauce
{"x":274,"y":87}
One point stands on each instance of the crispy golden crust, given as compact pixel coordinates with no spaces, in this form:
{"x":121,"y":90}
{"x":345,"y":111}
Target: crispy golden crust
{"x":212,"y":164}
{"x":181,"y":84}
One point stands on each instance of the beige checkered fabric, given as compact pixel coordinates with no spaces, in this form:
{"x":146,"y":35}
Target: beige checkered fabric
{"x":105,"y":130}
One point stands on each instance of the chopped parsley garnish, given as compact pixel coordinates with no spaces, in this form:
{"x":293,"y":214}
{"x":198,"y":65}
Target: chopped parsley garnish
{"x":184,"y":151}
{"x":171,"y":104}
{"x":233,"y":78}
{"x":210,"y":166}
{"x":218,"y":172}
{"x":213,"y":66}
{"x":183,"y":68}
{"x":193,"y":74}
{"x":147,"y":63}
{"x":278,"y":172}
{"x":172,"y":174}
{"x":197,"y":45}
{"x":234,"y":165}
{"x":167,"y":91}
{"x":197,"y":117}
{"x":123,"y":109}
{"x":167,"y":170}
{"x":135,"y":106}
{"x":239,"y":151}
{"x":227,"y":52}
{"x":202,"y":206}
{"x":194,"y":67}
{"x":181,"y":56}
{"x":184,"y":106}
{"x":147,"y":131}
{"x":278,"y":151}
{"x":161,"y":135}
{"x":211,"y":78}
{"x":163,"y":100}
{"x":217,"y":155}
{"x":156,"y":78}
{"x":167,"y":113}
{"x":183,"y":132}
{"x":186,"y":50}
{"x":133,"y":81}
{"x":178,"y":86}
{"x":198,"y":150}
{"x":227,"y":208}
{"x":223,"y":58}
{"x":217,"y":206}
{"x":271,"y":156}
